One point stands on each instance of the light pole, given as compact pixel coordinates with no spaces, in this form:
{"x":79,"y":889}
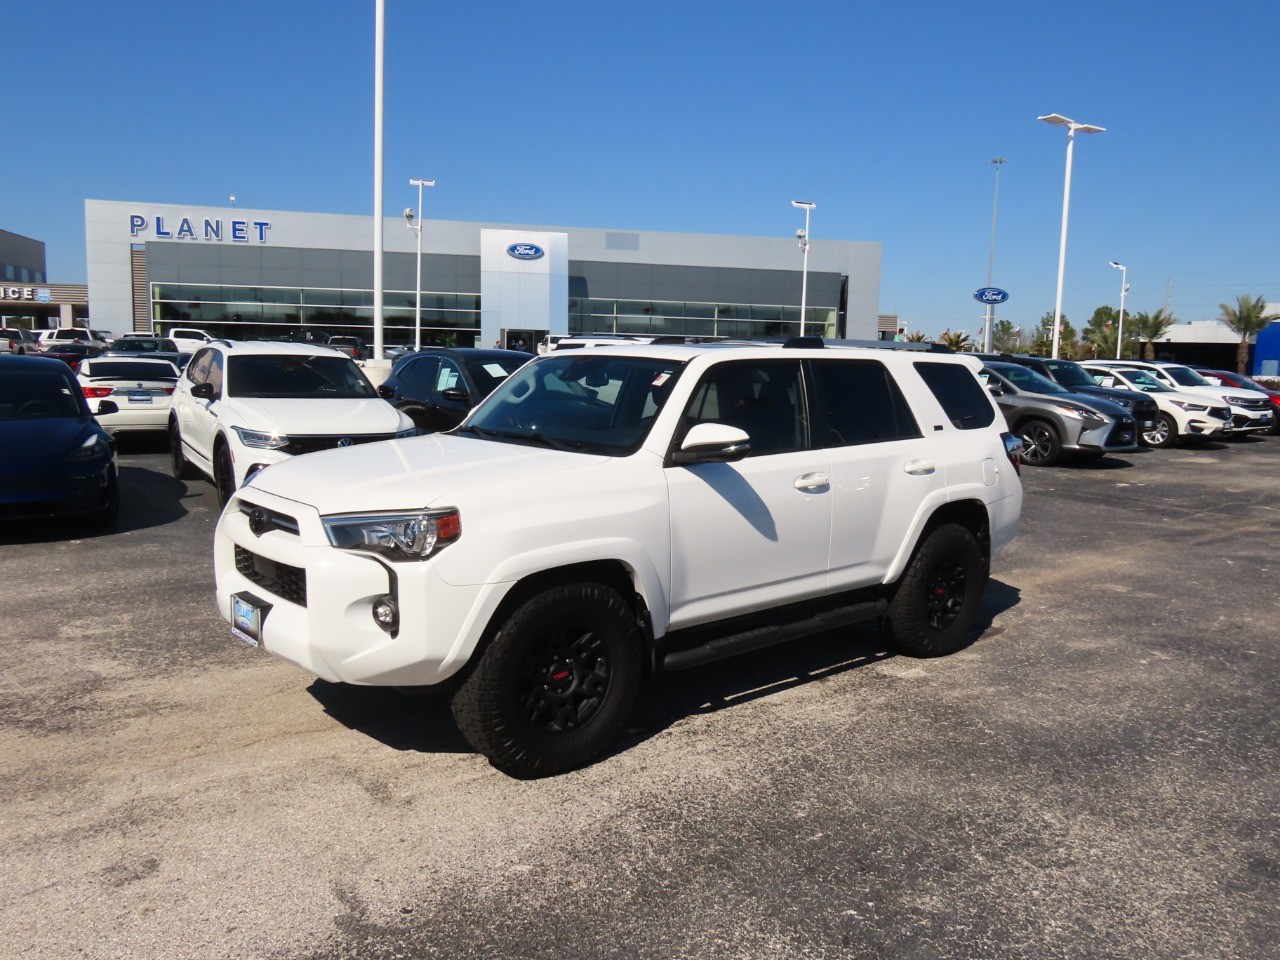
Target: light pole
{"x":1124,"y":288}
{"x":803,"y":237}
{"x":1059,"y":120}
{"x":417,"y":228}
{"x":380,"y":34}
{"x":991,"y":260}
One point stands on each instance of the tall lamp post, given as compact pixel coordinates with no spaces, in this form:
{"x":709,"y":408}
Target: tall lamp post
{"x":1124,"y":288}
{"x":1072,"y":127}
{"x":417,"y":228}
{"x":991,"y":260}
{"x":803,"y":237}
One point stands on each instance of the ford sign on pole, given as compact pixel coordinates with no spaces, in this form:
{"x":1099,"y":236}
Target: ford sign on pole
{"x":990,"y":295}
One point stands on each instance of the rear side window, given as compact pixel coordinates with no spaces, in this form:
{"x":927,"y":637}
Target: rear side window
{"x":957,"y":389}
{"x":859,"y":402}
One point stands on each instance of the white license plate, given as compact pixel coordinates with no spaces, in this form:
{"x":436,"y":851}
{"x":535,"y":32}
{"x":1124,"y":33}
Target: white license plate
{"x":140,"y":398}
{"x":247,"y":614}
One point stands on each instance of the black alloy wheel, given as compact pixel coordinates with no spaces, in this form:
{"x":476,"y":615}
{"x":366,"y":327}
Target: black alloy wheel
{"x":224,"y":476}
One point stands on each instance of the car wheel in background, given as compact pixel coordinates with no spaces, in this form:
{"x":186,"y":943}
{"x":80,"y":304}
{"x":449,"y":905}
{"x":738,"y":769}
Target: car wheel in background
{"x":1163,"y":433}
{"x":107,"y":517}
{"x":937,"y":599}
{"x":556,"y":683}
{"x":178,"y":462}
{"x":224,"y":475}
{"x":1040,"y":444}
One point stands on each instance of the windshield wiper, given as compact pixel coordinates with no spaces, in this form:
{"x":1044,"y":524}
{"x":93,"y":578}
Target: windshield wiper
{"x":534,"y":437}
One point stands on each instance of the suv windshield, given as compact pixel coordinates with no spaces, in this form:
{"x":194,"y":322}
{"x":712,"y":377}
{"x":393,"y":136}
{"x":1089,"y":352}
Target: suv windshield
{"x":589,"y":403}
{"x":284,"y":376}
{"x":1186,"y":377}
{"x":1026,"y":379}
{"x":1069,"y":373}
{"x":28,"y":394}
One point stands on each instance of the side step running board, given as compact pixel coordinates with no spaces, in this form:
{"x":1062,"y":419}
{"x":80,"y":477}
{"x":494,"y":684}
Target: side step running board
{"x":758,"y":638}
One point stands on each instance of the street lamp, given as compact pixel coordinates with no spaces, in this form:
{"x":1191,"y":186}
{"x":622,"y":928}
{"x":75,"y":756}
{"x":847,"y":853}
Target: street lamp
{"x":1059,"y":120}
{"x":991,"y":260}
{"x":803,"y":237}
{"x":417,"y":228}
{"x":1124,"y":288}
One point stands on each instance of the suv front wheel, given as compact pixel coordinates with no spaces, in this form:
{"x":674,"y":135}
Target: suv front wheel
{"x":937,"y":599}
{"x":555,"y":684}
{"x":1041,"y":446}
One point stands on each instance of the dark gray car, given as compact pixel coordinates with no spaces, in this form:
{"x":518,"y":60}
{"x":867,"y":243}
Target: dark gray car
{"x":1052,"y":421}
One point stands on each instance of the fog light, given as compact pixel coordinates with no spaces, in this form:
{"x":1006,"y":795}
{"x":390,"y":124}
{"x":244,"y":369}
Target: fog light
{"x":385,"y":614}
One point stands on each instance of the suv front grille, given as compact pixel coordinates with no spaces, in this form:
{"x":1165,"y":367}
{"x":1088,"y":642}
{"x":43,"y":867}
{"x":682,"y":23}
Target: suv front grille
{"x":270,"y":519}
{"x":288,"y":583}
{"x":1248,"y":403}
{"x":310,"y":444}
{"x":1122,"y":434}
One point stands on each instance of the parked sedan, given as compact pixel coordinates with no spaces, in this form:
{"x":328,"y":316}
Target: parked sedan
{"x":1052,"y":421}
{"x":141,"y":388}
{"x":55,"y":459}
{"x":437,"y":386}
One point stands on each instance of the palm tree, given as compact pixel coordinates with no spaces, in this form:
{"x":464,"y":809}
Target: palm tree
{"x":958,"y":341}
{"x":916,"y":337}
{"x":1246,"y":319}
{"x":1147,"y":328}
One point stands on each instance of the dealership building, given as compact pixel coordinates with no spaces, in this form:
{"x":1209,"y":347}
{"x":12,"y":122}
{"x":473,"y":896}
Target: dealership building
{"x":248,"y":273}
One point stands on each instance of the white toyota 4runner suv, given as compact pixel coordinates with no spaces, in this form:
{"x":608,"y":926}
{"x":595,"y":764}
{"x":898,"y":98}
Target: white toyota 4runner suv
{"x":613,"y":512}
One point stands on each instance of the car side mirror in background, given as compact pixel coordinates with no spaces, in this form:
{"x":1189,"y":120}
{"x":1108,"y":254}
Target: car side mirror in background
{"x":203,"y":391}
{"x":107,"y":406}
{"x":385,"y":392}
{"x":995,"y":389}
{"x":456,"y":394}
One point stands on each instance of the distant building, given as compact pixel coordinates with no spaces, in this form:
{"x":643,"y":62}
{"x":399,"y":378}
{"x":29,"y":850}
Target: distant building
{"x":25,"y":290}
{"x":1214,"y":344}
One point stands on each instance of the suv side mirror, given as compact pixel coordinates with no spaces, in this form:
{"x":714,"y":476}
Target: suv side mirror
{"x":385,"y":392}
{"x":712,"y":443}
{"x":995,"y":389}
{"x":203,"y":391}
{"x":456,"y":394}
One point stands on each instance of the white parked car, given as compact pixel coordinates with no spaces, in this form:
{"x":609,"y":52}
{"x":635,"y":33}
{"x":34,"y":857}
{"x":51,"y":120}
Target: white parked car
{"x":609,"y":512}
{"x":240,"y":407}
{"x":141,"y":388}
{"x":189,"y":339}
{"x":1184,"y":416}
{"x":1250,"y":410}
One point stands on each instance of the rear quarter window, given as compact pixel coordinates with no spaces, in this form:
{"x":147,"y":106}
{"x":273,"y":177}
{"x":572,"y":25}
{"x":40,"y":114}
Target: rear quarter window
{"x":958,"y":391}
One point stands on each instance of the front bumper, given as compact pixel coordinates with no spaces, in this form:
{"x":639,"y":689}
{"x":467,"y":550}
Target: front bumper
{"x":1108,"y":436}
{"x":321,"y":599}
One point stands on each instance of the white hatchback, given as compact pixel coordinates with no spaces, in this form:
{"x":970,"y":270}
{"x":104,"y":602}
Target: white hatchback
{"x":142,"y":388}
{"x":240,"y":407}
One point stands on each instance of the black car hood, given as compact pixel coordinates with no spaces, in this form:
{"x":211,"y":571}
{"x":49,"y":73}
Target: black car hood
{"x":38,"y":444}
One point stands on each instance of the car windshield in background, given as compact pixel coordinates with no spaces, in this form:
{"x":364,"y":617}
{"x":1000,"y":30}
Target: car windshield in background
{"x":1025,"y":379}
{"x":1246,"y":383}
{"x":141,"y":345}
{"x":131,"y":370}
{"x":1186,"y":377}
{"x":1069,"y":374}
{"x":1145,"y":382}
{"x":28,"y":394}
{"x":488,"y":372}
{"x":296,"y":377}
{"x":591,"y":404}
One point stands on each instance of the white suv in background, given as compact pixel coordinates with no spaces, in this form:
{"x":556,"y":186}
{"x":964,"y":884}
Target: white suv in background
{"x":610,"y":512}
{"x":1184,"y":416}
{"x":239,"y":407}
{"x":188,"y":339}
{"x":1250,"y":410}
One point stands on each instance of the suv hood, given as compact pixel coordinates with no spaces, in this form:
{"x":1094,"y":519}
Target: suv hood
{"x":411,"y":474}
{"x":313,"y":416}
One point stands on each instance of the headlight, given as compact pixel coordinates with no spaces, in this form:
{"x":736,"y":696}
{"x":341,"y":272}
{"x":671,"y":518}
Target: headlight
{"x":1236,"y":400}
{"x":397,"y":536}
{"x":1190,"y":407}
{"x":1079,"y":413}
{"x":92,"y":448}
{"x":261,"y":440}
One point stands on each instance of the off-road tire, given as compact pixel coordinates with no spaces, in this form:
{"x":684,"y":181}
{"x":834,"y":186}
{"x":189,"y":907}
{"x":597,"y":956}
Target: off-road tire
{"x":555,"y":684}
{"x":937,"y":599}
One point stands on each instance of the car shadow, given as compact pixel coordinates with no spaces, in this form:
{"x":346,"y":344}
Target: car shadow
{"x":1108,"y":462}
{"x":420,"y":719}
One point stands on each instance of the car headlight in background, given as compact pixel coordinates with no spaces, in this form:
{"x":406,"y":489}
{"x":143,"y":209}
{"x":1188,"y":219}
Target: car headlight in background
{"x":1236,"y":400}
{"x":1079,"y":413}
{"x":1190,"y":407}
{"x":397,"y":536}
{"x":260,"y":440}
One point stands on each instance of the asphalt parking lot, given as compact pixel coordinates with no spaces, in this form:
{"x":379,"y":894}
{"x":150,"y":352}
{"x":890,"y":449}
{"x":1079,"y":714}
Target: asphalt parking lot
{"x":1097,"y":775}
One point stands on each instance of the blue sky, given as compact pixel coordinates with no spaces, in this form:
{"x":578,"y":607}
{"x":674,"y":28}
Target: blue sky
{"x":704,"y":117}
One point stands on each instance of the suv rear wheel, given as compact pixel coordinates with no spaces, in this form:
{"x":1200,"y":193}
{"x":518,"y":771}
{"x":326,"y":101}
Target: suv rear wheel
{"x":555,"y":684}
{"x":937,"y":598}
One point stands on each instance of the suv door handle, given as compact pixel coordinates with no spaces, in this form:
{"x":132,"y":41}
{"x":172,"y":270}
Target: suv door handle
{"x":812,"y":481}
{"x":919,"y":468}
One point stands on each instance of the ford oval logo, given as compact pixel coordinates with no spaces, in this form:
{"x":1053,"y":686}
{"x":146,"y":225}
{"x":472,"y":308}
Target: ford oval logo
{"x":525,"y":251}
{"x":990,"y":295}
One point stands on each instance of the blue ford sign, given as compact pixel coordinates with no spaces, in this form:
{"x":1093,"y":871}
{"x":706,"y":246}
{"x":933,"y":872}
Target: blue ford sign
{"x":990,"y":295}
{"x":525,"y":251}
